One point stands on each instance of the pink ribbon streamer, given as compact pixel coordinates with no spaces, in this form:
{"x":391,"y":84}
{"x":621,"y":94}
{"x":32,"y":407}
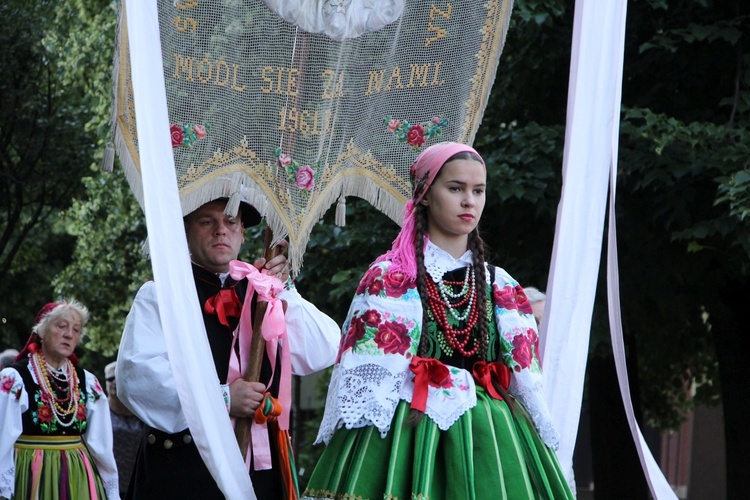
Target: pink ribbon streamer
{"x":273,"y":329}
{"x":36,"y":473}
{"x":90,"y":474}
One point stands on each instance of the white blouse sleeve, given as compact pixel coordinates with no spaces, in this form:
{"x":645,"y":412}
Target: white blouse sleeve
{"x":313,"y":336}
{"x":518,"y":332}
{"x":98,"y":435}
{"x":145,"y":383}
{"x":14,"y":400}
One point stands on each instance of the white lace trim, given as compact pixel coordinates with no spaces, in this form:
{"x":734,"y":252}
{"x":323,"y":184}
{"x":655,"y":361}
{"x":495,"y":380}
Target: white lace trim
{"x":365,"y":390}
{"x":338,"y":19}
{"x":445,"y":406}
{"x":112,"y":487}
{"x":7,"y":482}
{"x":532,"y":399}
{"x":437,"y":261}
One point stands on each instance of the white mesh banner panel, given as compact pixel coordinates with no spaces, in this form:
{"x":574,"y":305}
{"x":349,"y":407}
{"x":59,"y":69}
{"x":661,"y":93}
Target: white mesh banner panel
{"x":292,"y":116}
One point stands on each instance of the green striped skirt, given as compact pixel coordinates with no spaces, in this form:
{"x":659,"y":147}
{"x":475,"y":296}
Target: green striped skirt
{"x":55,"y":468}
{"x":490,"y":452}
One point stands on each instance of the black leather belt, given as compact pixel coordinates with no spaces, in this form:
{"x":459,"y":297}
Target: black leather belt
{"x":155,"y":437}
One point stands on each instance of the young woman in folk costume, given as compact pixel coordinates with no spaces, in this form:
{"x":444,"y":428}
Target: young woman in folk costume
{"x":55,"y":426}
{"x":437,"y":391}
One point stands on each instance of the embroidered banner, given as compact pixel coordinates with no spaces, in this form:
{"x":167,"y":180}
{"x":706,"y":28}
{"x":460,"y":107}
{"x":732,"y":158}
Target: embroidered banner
{"x":293,"y":117}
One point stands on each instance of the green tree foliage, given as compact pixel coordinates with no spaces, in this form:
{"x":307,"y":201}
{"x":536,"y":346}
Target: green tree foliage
{"x":108,"y":265}
{"x":47,"y":141}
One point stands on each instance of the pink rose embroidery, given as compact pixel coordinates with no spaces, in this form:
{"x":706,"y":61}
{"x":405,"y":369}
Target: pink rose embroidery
{"x":200,"y":131}
{"x":393,"y":125}
{"x":305,"y":178}
{"x":284,"y":159}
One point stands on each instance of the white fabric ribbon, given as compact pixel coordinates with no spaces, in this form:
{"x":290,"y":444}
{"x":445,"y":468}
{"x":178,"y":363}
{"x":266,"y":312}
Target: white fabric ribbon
{"x":589,"y":164}
{"x":182,"y":323}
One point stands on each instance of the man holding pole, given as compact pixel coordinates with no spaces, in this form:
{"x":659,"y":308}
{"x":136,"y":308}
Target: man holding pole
{"x":169,"y":464}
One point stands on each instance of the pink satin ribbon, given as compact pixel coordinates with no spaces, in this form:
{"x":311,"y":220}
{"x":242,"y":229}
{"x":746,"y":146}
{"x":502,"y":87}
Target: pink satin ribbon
{"x":273,"y":329}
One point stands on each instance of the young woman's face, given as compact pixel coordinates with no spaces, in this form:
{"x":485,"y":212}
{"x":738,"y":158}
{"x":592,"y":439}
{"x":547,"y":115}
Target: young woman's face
{"x":455,"y":201}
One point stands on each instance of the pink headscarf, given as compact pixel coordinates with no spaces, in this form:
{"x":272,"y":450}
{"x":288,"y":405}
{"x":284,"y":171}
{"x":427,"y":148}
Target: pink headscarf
{"x":422,"y":173}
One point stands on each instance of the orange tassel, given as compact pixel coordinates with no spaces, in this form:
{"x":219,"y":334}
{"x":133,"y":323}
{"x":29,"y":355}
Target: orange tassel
{"x":267,"y":412}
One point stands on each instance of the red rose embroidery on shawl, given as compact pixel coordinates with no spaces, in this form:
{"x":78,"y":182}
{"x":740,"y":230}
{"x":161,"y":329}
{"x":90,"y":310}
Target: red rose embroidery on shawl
{"x":504,"y":297}
{"x":375,"y":287}
{"x":393,"y":338}
{"x":522,"y":351}
{"x":355,"y":332}
{"x":533,"y":339}
{"x":371,"y":317}
{"x":524,"y":305}
{"x":397,"y":284}
{"x":368,"y":279}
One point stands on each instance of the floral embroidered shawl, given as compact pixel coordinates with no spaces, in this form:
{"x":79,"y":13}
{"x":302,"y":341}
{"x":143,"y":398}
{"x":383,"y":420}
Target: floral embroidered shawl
{"x":382,"y":333}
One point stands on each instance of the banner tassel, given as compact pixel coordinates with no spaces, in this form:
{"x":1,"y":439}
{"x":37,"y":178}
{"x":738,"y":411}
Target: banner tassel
{"x":341,"y":212}
{"x":108,"y":161}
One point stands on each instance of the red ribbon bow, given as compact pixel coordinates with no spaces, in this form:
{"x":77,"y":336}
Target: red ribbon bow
{"x":224,"y":304}
{"x":427,"y":372}
{"x":489,"y":374}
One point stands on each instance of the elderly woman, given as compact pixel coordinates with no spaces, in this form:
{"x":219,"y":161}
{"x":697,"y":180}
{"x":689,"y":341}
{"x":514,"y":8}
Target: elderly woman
{"x":56,"y":437}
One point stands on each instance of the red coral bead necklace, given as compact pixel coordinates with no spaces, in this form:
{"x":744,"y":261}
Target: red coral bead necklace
{"x":441,"y":306}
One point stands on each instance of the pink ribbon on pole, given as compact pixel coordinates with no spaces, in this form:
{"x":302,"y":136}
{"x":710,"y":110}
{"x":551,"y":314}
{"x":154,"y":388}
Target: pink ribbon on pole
{"x":273,"y":330}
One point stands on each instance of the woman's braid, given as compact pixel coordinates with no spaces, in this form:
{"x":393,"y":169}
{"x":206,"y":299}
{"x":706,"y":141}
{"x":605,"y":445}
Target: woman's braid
{"x":476,"y":245}
{"x":420,"y":213}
